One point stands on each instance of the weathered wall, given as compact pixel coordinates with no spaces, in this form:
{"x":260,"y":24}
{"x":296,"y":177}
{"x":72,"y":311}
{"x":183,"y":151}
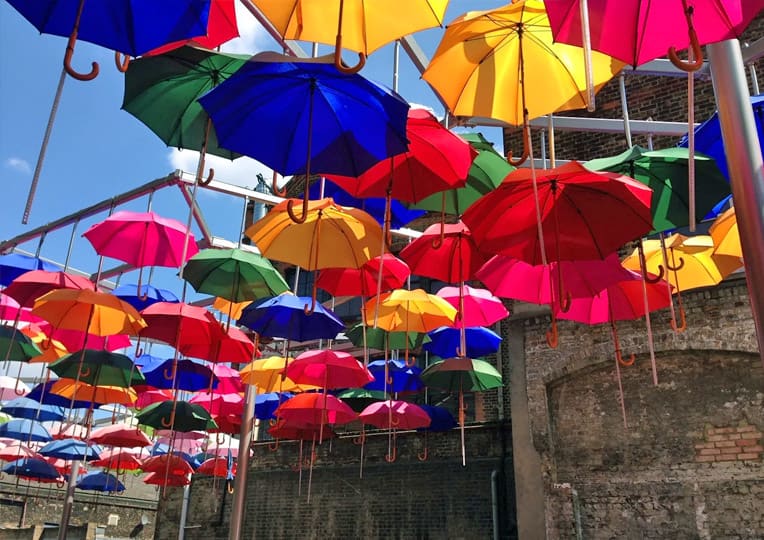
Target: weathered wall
{"x":437,"y":498}
{"x":689,"y":464}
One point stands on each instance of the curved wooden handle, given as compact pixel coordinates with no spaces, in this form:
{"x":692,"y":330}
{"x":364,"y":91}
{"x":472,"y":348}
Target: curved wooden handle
{"x":18,"y":391}
{"x":218,"y":438}
{"x":84,"y":372}
{"x":392,"y":456}
{"x":274,"y":446}
{"x":657,"y":278}
{"x":94,"y":69}
{"x":171,"y":422}
{"x":340,"y":65}
{"x":410,"y":361}
{"x":170,"y":375}
{"x":565,"y":301}
{"x":619,"y":357}
{"x":683,"y":321}
{"x":275,"y":188}
{"x":229,"y":486}
{"x":293,"y":216}
{"x":210,"y":176}
{"x":677,"y":267}
{"x":552,"y":336}
{"x":395,"y":421}
{"x":697,"y":54}
{"x":122,"y":61}
{"x":60,"y":482}
{"x":423,"y":455}
{"x":361,"y":439}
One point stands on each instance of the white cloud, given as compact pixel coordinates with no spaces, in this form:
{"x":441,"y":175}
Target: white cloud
{"x":252,"y":39}
{"x":241,"y":172}
{"x":18,"y":164}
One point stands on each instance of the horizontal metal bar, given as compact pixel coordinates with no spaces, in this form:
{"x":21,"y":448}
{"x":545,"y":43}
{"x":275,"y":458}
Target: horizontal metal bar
{"x":753,"y":51}
{"x":662,"y":67}
{"x":574,"y":123}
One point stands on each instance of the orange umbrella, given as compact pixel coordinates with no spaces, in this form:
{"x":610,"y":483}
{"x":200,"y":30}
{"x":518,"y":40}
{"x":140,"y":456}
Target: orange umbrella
{"x":725,"y":234}
{"x":98,"y":395}
{"x":269,"y":375}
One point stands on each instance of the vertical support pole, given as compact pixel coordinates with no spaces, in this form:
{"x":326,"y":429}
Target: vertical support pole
{"x":396,"y":60}
{"x":746,"y":168}
{"x":625,"y":109}
{"x":242,"y":465}
{"x":63,"y":528}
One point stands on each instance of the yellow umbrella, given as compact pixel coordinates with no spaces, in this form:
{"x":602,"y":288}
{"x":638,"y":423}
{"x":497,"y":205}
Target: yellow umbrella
{"x":224,"y":306}
{"x":266,"y":374}
{"x":725,"y":234}
{"x":504,"y":64}
{"x":354,"y":24}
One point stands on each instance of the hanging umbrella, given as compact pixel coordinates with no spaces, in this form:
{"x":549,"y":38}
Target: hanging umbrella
{"x":17,"y":450}
{"x":68,"y":430}
{"x":216,"y":466}
{"x":328,"y":369}
{"x":377,"y":338}
{"x":11,"y":310}
{"x":230,"y":345}
{"x":359,"y":398}
{"x":143,"y":298}
{"x":183,"y":374}
{"x":25,"y":430}
{"x":445,"y":342}
{"x":23,"y":407}
{"x":285,"y":316}
{"x":70,"y":450}
{"x":33,"y":469}
{"x":725,"y":234}
{"x":665,"y":172}
{"x":393,"y":376}
{"x":176,"y":415}
{"x":160,"y":479}
{"x":147,"y":397}
{"x":221,"y":27}
{"x":169,"y":464}
{"x":313,"y":409}
{"x":142,"y":239}
{"x":73,"y":340}
{"x":266,"y":404}
{"x":118,"y":459}
{"x":504,"y":64}
{"x":363,"y":281}
{"x":120,"y":435}
{"x":487,"y":171}
{"x":42,"y":394}
{"x":416,"y":310}
{"x":219,"y":403}
{"x":96,"y":395}
{"x":102,"y":368}
{"x":11,"y":388}
{"x":180,"y":325}
{"x":100,"y":481}
{"x":14,"y":265}
{"x":336,"y":123}
{"x":395,"y":414}
{"x":234,"y":274}
{"x":229,"y":379}
{"x":361,"y":27}
{"x":227,"y":307}
{"x":448,"y":254}
{"x":16,"y":346}
{"x":269,"y":375}
{"x":477,"y":307}
{"x":52,"y":349}
{"x":29,"y":286}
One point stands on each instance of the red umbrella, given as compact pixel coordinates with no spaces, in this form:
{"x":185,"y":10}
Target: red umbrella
{"x":452,"y":256}
{"x":147,"y":397}
{"x":118,"y":459}
{"x":122,"y":435}
{"x":181,"y":325}
{"x":221,"y":27}
{"x":286,"y":430}
{"x":395,"y":414}
{"x":73,"y":339}
{"x":31,"y":285}
{"x":230,"y":424}
{"x":228,"y":345}
{"x":328,"y":369}
{"x":169,"y":464}
{"x":314,"y":410}
{"x":159,"y":479}
{"x":219,"y":404}
{"x":363,"y":281}
{"x":17,"y":450}
{"x":217,"y":466}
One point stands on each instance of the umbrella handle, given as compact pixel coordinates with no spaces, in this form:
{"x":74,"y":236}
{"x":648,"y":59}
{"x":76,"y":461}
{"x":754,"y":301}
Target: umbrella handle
{"x":229,"y":486}
{"x":94,"y":69}
{"x":361,"y":439}
{"x":60,"y":482}
{"x":309,"y":309}
{"x":218,"y":439}
{"x":46,"y":344}
{"x":552,"y":336}
{"x":274,"y":446}
{"x":18,"y":391}
{"x":275,"y":189}
{"x":656,"y":279}
{"x":565,"y":301}
{"x":340,"y":65}
{"x":122,"y":61}
{"x":392,"y":456}
{"x":526,"y":149}
{"x":164,"y":421}
{"x":683,"y":318}
{"x":619,"y":357}
{"x":84,"y":371}
{"x":410,"y":361}
{"x":697,"y":54}
{"x":293,"y":216}
{"x":210,"y":176}
{"x":423,"y":455}
{"x":395,"y":421}
{"x":677,"y":267}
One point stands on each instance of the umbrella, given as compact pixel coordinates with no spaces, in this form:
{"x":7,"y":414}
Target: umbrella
{"x":232,"y":345}
{"x":487,"y":171}
{"x":16,"y":346}
{"x":100,"y":481}
{"x":25,"y":430}
{"x":504,"y":64}
{"x":17,"y":450}
{"x":42,"y":394}
{"x":665,"y":172}
{"x":229,"y":379}
{"x":407,"y":311}
{"x":29,"y":286}
{"x":447,"y":253}
{"x":363,"y":281}
{"x":147,"y":397}
{"x":314,"y":410}
{"x":169,"y":464}
{"x":102,"y":368}
{"x":377,"y":338}
{"x":446,"y":342}
{"x":359,"y":398}
{"x":440,"y":420}
{"x":70,"y":450}
{"x":52,"y":349}
{"x":68,"y":430}
{"x":70,"y":339}
{"x":219,"y":403}
{"x":32,"y":469}
{"x":181,"y":325}
{"x":96,"y":395}
{"x":227,"y":307}
{"x":143,"y":298}
{"x":162,"y":91}
{"x":183,"y":374}
{"x":234,"y":274}
{"x":393,"y":415}
{"x":266,"y":404}
{"x":269,"y":375}
{"x":336,"y":123}
{"x":328,"y":369}
{"x":11,"y":310}
{"x":120,"y":435}
{"x":118,"y":459}
{"x":725,"y":235}
{"x":174,"y":480}
{"x":176,"y":415}
{"x":284,"y":316}
{"x":393,"y":376}
{"x":12,"y":387}
{"x":24,"y":407}
{"x":14,"y":265}
{"x":216,"y":466}
{"x":646,"y":31}
{"x":221,"y":27}
{"x":142,"y":239}
{"x":477,"y":307}
{"x":362,"y":27}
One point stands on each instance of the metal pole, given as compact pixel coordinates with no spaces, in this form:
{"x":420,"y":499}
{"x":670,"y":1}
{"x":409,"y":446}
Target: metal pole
{"x":184,"y":513}
{"x":625,"y":109}
{"x":63,"y":528}
{"x":396,"y":60}
{"x":746,"y":168}
{"x":242,"y":465}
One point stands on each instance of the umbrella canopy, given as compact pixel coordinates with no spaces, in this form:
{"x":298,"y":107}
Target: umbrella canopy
{"x":445,"y":252}
{"x":269,"y":375}
{"x":70,"y":450}
{"x":165,"y":480}
{"x":29,"y":286}
{"x":227,"y":307}
{"x":42,"y":394}
{"x":461,"y":374}
{"x":180,"y":325}
{"x":32,"y":469}
{"x":285,"y":430}
{"x":55,"y":349}
{"x":100,"y":481}
{"x":96,"y":395}
{"x":666,"y":173}
{"x":219,"y":403}
{"x":445,"y":342}
{"x":184,"y":374}
{"x":101,"y":368}
{"x":498,"y":62}
{"x":328,"y":369}
{"x":162,"y":92}
{"x":147,"y":295}
{"x":394,"y":376}
{"x":284,"y":316}
{"x":395,"y":414}
{"x":25,"y":430}
{"x":11,"y":388}
{"x":118,"y":459}
{"x":477,"y":307}
{"x":725,"y":234}
{"x":363,"y":281}
{"x":11,"y":310}
{"x":120,"y":435}
{"x":266,"y":404}
{"x":23,"y":407}
{"x":234,"y":274}
{"x":584,"y":214}
{"x":230,"y":345}
{"x":88,"y":311}
{"x":229,"y":379}
{"x":73,"y":340}
{"x":17,"y":450}
{"x":379,"y":339}
{"x":221,"y":27}
{"x":440,"y":418}
{"x":406,"y":311}
{"x":314,"y":410}
{"x":16,"y":346}
{"x":360,"y":398}
{"x":177,"y":415}
{"x":171,"y":464}
{"x":14,"y":265}
{"x":216,"y":466}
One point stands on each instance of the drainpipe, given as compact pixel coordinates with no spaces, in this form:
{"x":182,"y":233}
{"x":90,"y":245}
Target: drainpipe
{"x":577,"y":513}
{"x":495,"y":503}
{"x":500,"y":369}
{"x":184,"y":512}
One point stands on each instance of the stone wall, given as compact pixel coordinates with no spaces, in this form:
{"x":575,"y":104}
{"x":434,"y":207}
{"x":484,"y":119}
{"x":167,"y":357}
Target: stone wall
{"x":689,"y":462}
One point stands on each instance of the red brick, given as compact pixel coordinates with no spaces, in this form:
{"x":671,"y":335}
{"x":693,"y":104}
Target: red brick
{"x":743,"y":429}
{"x":723,"y":444}
{"x":721,"y":431}
{"x":747,"y":456}
{"x":700,"y":446}
{"x":709,"y":452}
{"x":727,"y":457}
{"x":701,"y":459}
{"x":714,"y":438}
{"x":747,"y":442}
{"x":733,"y":450}
{"x":757,"y":448}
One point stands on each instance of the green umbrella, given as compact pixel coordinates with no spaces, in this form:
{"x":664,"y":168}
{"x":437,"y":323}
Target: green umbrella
{"x":375,"y":338}
{"x":161,"y":91}
{"x":360,"y":398}
{"x":176,"y":415}
{"x":665,"y":172}
{"x":487,"y":171}
{"x":234,"y":274}
{"x":98,"y":368}
{"x":16,"y":346}
{"x":461,"y":375}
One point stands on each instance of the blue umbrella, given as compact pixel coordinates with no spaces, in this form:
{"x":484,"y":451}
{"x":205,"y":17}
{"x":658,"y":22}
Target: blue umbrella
{"x":266,"y":404}
{"x":402,"y":378}
{"x":399,"y":214}
{"x":25,"y":430}
{"x":41,"y":393}
{"x":70,"y":450}
{"x":444,"y":342}
{"x":13,"y":265}
{"x":284,"y":317}
{"x":146,"y":361}
{"x":25,"y":407}
{"x":440,"y":419}
{"x":191,"y":375}
{"x":298,"y":116}
{"x":100,"y":481}
{"x":148,"y":295}
{"x":35,"y":469}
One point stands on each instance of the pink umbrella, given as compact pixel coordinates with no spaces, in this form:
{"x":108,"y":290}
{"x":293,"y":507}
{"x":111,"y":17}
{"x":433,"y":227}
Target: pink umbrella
{"x":142,"y":239}
{"x":228,"y":345}
{"x":31,"y":285}
{"x":477,"y":307}
{"x":394,"y":414}
{"x":219,"y":403}
{"x":11,"y":388}
{"x":11,"y":310}
{"x":17,"y":450}
{"x":328,"y":369}
{"x":147,"y":397}
{"x":121,"y":459}
{"x":73,"y":339}
{"x":122,"y":435}
{"x":181,"y":435}
{"x":189,"y":446}
{"x":229,"y":379}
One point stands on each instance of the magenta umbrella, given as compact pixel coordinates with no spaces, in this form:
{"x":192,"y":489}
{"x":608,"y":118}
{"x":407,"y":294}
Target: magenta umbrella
{"x":394,"y":414}
{"x":219,"y":403}
{"x":142,"y":239}
{"x":479,"y":307}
